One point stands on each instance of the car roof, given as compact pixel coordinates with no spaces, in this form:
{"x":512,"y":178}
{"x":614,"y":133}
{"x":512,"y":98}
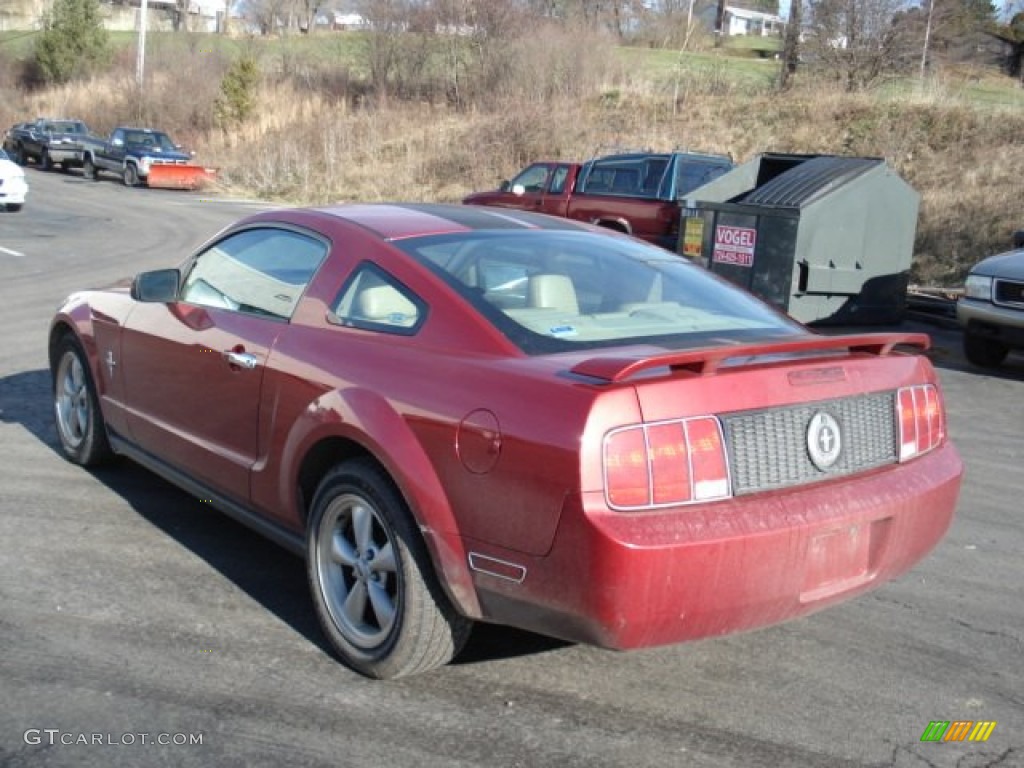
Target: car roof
{"x":397,"y":221}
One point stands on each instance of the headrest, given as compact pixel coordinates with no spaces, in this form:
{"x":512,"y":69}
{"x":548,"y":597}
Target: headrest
{"x":553,"y":292}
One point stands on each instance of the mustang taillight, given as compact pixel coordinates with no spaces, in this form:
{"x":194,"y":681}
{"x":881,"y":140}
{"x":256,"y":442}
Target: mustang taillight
{"x":665,"y":463}
{"x":919,"y":415}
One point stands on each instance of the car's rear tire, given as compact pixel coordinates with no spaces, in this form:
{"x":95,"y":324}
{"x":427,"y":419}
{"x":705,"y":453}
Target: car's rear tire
{"x":18,"y":155}
{"x":375,"y":591}
{"x":80,"y":427}
{"x":89,"y":169}
{"x":131,"y":175}
{"x":13,"y":207}
{"x":45,"y":161}
{"x":984,"y":352}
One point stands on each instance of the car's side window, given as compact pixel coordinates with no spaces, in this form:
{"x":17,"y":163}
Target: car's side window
{"x":558,"y":179}
{"x":373,"y":300}
{"x":532,"y":179}
{"x":261,"y":271}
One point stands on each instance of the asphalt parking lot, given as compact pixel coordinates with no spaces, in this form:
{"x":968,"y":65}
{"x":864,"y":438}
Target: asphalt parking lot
{"x":140,"y":628}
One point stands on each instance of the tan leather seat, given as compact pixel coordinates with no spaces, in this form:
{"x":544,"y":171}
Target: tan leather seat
{"x":552,"y":292}
{"x":385,"y":304}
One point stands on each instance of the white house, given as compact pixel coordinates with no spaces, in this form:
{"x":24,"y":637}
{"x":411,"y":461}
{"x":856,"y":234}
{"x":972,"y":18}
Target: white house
{"x":740,"y":21}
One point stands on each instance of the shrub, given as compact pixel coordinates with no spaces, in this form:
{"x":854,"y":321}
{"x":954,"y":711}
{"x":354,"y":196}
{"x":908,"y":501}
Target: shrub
{"x":237,"y":99}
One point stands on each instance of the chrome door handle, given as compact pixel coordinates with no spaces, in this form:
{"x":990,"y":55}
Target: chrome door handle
{"x":241,"y":359}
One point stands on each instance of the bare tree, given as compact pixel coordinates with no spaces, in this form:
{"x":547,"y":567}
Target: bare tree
{"x":669,"y":23}
{"x":926,"y":48}
{"x":180,"y":15}
{"x":856,"y":41}
{"x":387,"y":21}
{"x":791,"y":44}
{"x":307,"y":13}
{"x":944,"y":30}
{"x":267,"y":15}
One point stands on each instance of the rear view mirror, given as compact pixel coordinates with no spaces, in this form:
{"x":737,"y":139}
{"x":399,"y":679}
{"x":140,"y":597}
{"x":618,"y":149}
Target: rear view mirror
{"x":159,"y":286}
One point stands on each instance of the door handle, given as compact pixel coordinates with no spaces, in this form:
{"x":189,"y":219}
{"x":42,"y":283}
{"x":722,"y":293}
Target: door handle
{"x":241,"y":359}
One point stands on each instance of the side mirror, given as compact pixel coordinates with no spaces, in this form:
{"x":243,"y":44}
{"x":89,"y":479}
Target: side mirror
{"x":1018,"y":238}
{"x":504,"y":185}
{"x":159,"y":286}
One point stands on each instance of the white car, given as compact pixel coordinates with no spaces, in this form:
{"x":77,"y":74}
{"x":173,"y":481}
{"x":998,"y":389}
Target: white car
{"x":13,"y":187}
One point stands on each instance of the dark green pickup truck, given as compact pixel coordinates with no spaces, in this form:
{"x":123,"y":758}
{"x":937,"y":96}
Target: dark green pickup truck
{"x":47,"y":142}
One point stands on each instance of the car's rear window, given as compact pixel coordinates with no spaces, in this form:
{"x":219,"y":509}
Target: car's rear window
{"x":66,"y":126}
{"x":553,"y":291}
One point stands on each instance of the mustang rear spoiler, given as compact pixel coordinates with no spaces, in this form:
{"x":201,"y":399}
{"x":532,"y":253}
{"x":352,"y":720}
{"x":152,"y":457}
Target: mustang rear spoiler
{"x":707,"y":361}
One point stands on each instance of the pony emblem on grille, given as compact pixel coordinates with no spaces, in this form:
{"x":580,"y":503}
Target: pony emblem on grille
{"x":824,"y":440}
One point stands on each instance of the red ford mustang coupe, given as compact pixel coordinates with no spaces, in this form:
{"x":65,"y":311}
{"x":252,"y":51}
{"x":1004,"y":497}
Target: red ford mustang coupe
{"x":462,"y":414}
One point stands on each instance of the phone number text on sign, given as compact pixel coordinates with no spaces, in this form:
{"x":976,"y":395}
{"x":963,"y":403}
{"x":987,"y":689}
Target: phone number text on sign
{"x":734,"y":245}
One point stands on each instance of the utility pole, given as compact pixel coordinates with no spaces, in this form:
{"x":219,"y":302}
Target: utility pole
{"x":140,"y":61}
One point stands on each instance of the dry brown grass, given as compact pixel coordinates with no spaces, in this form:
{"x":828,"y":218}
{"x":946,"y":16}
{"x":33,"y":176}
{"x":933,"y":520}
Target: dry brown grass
{"x":310,"y":144}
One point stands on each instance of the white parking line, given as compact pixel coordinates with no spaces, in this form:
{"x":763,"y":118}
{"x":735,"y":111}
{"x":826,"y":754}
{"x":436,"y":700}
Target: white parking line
{"x":9,"y":252}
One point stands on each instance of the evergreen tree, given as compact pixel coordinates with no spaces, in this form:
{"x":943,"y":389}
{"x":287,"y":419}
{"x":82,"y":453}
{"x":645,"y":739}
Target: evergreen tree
{"x":73,"y":42}
{"x":237,"y":100}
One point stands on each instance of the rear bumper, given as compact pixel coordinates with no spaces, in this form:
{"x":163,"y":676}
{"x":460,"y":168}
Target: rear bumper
{"x":633,"y":580}
{"x":66,"y":155}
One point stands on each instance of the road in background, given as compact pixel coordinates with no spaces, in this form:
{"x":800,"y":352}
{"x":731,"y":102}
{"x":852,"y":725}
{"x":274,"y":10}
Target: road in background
{"x":129,"y":608}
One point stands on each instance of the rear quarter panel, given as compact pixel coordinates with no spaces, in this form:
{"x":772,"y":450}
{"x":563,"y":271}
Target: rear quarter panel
{"x":650,"y":220}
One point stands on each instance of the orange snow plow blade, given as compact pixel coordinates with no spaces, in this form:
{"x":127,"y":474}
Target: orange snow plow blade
{"x":180,"y":176}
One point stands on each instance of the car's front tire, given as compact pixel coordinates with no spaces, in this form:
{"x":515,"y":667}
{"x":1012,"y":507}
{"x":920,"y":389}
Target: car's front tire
{"x":984,"y":352}
{"x":13,"y":207}
{"x":131,"y":175}
{"x":374,"y":588}
{"x":80,"y":427}
{"x":89,"y":169}
{"x":45,"y":161}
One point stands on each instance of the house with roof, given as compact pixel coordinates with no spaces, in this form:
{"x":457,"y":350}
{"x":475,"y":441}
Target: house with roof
{"x":740,"y":21}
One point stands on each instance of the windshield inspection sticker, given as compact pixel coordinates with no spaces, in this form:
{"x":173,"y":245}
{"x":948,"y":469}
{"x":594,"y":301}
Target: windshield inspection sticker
{"x":562,"y":331}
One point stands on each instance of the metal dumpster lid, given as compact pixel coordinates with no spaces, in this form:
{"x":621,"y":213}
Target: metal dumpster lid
{"x":809,"y":180}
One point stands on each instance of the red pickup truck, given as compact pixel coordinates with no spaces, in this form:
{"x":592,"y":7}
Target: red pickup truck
{"x":636,"y":193}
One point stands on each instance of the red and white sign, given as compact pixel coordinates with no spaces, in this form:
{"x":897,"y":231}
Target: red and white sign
{"x":734,"y":245}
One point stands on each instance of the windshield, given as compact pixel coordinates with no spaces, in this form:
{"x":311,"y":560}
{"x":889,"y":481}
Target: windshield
{"x":554,"y":291}
{"x":150,"y":139}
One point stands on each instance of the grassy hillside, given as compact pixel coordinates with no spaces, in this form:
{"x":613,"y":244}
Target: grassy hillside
{"x":320,"y":134}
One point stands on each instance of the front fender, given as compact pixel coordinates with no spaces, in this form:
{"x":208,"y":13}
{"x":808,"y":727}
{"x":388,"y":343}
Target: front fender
{"x":95,"y":320}
{"x":75,"y":315}
{"x":369,"y":420}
